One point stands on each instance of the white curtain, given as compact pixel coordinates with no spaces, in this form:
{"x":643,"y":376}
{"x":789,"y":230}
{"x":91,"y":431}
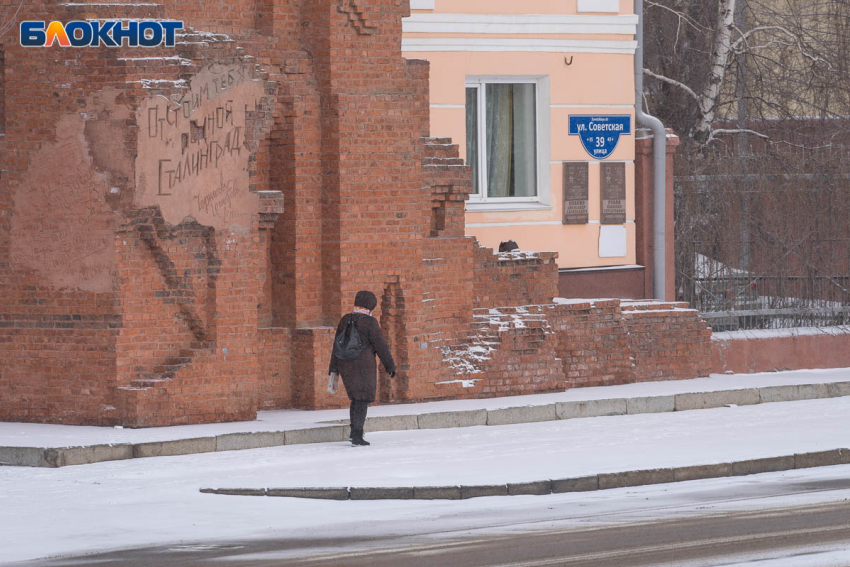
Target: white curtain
{"x":511,"y":140}
{"x":472,"y":135}
{"x":525,"y":141}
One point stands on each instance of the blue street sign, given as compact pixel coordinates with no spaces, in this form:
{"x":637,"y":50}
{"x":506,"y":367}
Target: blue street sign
{"x":600,"y":134}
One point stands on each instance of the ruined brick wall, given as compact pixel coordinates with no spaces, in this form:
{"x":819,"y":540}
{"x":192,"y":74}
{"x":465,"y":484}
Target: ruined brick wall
{"x":187,"y":351}
{"x":445,"y":274}
{"x":127,"y":321}
{"x":525,"y":361}
{"x":377,"y":199}
{"x":606,"y":342}
{"x":576,"y":343}
{"x":63,"y":188}
{"x":667,"y":340}
{"x":593,"y":343}
{"x":181,"y":229}
{"x":514,"y":278}
{"x":192,"y":275}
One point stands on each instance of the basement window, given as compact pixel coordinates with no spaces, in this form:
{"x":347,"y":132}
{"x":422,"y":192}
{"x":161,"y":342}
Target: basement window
{"x":507,"y":142}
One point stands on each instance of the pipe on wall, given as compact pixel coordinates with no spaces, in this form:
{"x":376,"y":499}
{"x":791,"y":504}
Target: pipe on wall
{"x":659,"y":214}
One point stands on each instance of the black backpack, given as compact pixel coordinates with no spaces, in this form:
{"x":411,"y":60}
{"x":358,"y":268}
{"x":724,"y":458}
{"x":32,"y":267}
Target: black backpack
{"x":347,"y":343}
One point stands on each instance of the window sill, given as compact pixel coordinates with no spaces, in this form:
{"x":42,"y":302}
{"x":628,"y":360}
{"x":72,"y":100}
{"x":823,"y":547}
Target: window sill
{"x":484,"y":207}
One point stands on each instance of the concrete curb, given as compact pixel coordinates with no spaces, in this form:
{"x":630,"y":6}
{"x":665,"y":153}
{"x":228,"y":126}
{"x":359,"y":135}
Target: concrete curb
{"x":708,"y":400}
{"x":605,"y":481}
{"x":338,"y":431}
{"x":175,"y":448}
{"x":436,"y":493}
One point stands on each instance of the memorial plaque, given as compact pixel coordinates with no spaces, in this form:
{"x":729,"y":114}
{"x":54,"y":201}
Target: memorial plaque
{"x":613,"y":193}
{"x":575,"y":193}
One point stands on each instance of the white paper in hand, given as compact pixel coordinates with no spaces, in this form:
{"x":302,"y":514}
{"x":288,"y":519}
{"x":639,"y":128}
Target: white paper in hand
{"x":333,"y":382}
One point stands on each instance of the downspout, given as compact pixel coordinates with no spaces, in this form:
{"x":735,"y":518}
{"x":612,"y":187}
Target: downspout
{"x":659,"y":236}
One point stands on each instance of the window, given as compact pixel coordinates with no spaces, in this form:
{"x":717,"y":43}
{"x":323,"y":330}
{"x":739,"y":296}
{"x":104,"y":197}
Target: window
{"x":502,"y":140}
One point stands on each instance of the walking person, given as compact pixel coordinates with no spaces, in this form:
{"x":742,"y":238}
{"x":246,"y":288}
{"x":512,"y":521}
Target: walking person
{"x":358,"y":339}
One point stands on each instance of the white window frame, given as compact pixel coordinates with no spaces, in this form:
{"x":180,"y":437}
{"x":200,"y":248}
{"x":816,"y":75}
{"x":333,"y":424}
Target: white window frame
{"x":542,"y":201}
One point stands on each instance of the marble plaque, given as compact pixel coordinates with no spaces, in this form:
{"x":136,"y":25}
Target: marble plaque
{"x":575,"y":193}
{"x":613,"y":186}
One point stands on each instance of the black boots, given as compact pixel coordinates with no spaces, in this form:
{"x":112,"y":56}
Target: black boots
{"x":357,"y":438}
{"x":358,"y":420}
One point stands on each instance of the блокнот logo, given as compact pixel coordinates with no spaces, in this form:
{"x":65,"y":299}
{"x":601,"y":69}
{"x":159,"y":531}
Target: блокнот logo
{"x":95,"y":34}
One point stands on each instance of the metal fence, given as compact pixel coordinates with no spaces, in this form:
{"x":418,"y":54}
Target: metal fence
{"x":748,"y":319}
{"x":763,"y":232}
{"x":743,"y":302}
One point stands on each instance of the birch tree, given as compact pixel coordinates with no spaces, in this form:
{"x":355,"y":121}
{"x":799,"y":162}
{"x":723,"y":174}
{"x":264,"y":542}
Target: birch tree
{"x":759,"y":92}
{"x":794,"y":54}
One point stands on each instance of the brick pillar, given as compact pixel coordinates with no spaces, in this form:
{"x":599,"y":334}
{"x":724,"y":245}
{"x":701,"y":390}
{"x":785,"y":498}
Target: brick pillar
{"x":644,"y":203}
{"x":371,"y":206}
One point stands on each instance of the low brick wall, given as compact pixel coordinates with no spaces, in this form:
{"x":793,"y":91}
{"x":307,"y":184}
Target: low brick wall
{"x":593,"y":343}
{"x":525,"y":360}
{"x":606,"y":342}
{"x":513,"y":278}
{"x":579,"y":343}
{"x":768,"y":351}
{"x":668,"y":341}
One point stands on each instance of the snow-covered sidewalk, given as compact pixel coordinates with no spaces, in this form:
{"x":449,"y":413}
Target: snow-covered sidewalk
{"x":557,"y":449}
{"x":150,"y":501}
{"x":47,"y":436}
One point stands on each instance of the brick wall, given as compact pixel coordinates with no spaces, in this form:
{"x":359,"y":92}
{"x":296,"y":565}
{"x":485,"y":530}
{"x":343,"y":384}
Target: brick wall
{"x":791,"y":349}
{"x":275,"y":374}
{"x":593,"y":343}
{"x":525,"y":361}
{"x":58,"y":354}
{"x":187,"y":349}
{"x":514,"y":278}
{"x":667,"y":340}
{"x":577,"y":343}
{"x":181,"y":229}
{"x":59,"y":321}
{"x":606,"y":342}
{"x":310,"y":370}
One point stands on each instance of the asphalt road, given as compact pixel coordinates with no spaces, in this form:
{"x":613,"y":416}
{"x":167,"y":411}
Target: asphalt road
{"x":800,"y":533}
{"x":714,"y":541}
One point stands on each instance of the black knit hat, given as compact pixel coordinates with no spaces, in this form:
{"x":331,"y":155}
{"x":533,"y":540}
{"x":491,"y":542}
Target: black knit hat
{"x":366,"y":300}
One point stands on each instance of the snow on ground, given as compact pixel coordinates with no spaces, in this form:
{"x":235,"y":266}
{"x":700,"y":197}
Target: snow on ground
{"x":41,"y":435}
{"x":806,"y":557}
{"x":755,"y":334}
{"x":45,"y":512}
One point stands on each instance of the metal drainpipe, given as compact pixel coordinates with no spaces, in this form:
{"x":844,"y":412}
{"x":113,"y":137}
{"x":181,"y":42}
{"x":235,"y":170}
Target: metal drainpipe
{"x":659,"y":241}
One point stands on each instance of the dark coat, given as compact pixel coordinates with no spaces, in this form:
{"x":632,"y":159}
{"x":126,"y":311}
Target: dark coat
{"x":361,"y":376}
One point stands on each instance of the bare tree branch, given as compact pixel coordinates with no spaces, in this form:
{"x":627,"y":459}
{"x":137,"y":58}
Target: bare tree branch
{"x":796,"y":41}
{"x":730,"y":131}
{"x":682,"y":17}
{"x":673,"y":82}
